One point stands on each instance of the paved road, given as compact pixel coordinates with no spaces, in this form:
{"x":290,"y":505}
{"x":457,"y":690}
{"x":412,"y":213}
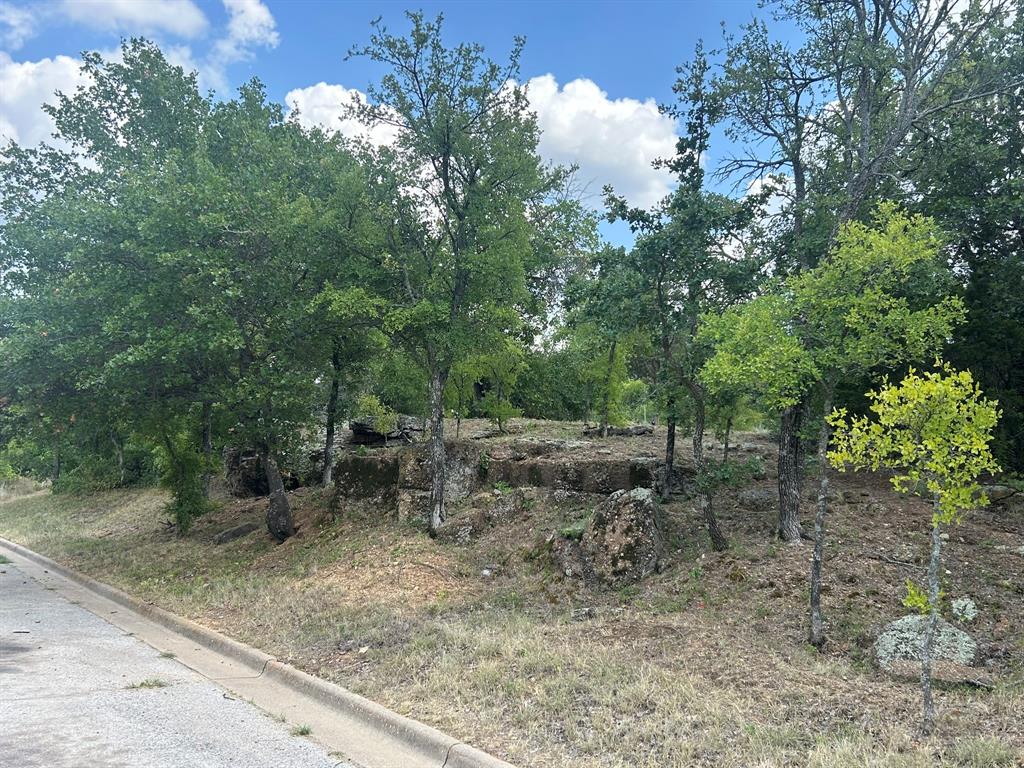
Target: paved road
{"x":65,"y":700}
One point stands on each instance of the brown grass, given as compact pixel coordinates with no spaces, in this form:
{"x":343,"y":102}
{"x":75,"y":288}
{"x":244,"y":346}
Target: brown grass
{"x":703,"y":664}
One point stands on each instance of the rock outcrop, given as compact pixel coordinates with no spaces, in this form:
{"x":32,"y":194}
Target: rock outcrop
{"x":400,"y":477}
{"x":408,"y":430}
{"x":623,"y":542}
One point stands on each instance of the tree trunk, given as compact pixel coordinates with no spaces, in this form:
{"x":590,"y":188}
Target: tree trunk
{"x":718,"y":541}
{"x":326,"y":477}
{"x":119,"y":455}
{"x":928,"y":721}
{"x":789,"y":479}
{"x":56,"y":459}
{"x":817,"y":632}
{"x":207,"y":446}
{"x":437,"y":452}
{"x":279,"y":513}
{"x":668,"y":476}
{"x":606,"y":405}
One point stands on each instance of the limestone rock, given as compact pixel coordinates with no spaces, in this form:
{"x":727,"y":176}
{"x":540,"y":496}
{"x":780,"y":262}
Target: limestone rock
{"x":235,"y":533}
{"x":997,"y":493}
{"x":408,"y":429}
{"x":903,"y":640}
{"x":623,"y":542}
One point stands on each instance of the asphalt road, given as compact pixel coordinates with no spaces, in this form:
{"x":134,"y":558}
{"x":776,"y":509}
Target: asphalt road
{"x":67,"y":701}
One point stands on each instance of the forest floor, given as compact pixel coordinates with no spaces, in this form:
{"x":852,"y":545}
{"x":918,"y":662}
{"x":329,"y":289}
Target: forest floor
{"x":703,"y":664}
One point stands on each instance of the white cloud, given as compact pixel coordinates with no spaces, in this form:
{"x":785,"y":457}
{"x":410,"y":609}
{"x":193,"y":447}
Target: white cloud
{"x":323,"y":105}
{"x":780,"y":192}
{"x":24,"y":87}
{"x":178,"y":17}
{"x":16,"y":25}
{"x":614,"y":141}
{"x":250,"y":25}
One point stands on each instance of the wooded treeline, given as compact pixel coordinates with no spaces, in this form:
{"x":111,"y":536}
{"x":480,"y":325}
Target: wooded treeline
{"x":180,"y":273}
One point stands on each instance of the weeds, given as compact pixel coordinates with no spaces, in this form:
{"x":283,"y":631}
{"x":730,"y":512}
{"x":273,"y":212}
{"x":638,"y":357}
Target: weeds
{"x":149,"y":682}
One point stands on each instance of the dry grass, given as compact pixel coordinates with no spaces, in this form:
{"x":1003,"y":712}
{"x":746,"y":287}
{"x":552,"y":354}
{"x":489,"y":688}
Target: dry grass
{"x":702,"y":665}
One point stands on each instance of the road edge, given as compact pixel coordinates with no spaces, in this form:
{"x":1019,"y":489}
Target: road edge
{"x":418,"y":736}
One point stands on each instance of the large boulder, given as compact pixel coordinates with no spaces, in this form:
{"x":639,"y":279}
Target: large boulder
{"x":408,"y":429}
{"x":899,"y":647}
{"x":997,"y":493}
{"x":244,"y":473}
{"x":623,"y":542}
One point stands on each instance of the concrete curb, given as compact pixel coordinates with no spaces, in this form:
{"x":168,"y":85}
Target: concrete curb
{"x":435,"y":746}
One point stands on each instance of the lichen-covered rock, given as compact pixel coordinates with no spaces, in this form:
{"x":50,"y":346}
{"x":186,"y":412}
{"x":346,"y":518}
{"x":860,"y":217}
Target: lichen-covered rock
{"x":965,"y":609}
{"x":903,"y":640}
{"x":623,"y":542}
{"x":571,"y":560}
{"x":487,"y":510}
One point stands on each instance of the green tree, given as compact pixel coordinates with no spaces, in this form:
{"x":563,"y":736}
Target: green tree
{"x":934,"y":430}
{"x":500,"y":369}
{"x":826,"y":117}
{"x":968,"y":173}
{"x":603,"y":317}
{"x":463,"y":187}
{"x":98,"y":327}
{"x":877,"y":300}
{"x":460,"y":390}
{"x":683,"y":268}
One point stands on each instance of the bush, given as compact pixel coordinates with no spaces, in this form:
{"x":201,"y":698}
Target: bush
{"x":372,"y":410}
{"x":181,"y":469}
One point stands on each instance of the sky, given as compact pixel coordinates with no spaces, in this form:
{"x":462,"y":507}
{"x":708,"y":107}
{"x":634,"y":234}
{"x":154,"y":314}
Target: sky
{"x":595,"y":71}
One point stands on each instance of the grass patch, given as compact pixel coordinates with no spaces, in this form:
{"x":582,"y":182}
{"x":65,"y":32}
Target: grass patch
{"x":149,"y":682}
{"x":986,"y":753}
{"x":301,"y":730}
{"x":4,"y":560}
{"x":168,"y":655}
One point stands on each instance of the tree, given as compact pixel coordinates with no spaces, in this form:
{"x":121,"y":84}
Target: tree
{"x":685,"y":266}
{"x":500,"y":369}
{"x":603,"y":312}
{"x":461,"y":185}
{"x":92,"y":272}
{"x":461,"y":389}
{"x":182,"y":276}
{"x":934,"y":430}
{"x":828,"y":120}
{"x":878,"y":300}
{"x":968,"y":173}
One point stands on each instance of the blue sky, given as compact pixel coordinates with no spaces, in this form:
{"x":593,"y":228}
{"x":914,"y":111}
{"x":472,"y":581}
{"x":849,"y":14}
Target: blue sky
{"x":595,"y":70}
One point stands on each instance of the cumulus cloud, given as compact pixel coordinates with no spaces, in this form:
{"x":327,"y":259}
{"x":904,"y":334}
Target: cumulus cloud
{"x":177,"y":17}
{"x":324,"y":105}
{"x":614,"y":141}
{"x":251,"y":25}
{"x":16,"y":26}
{"x":24,"y":87}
